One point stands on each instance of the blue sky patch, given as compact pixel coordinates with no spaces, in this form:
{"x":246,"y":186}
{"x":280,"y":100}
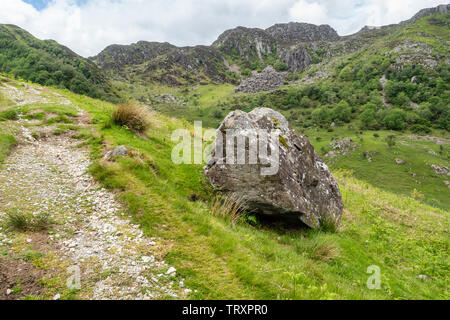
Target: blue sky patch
{"x":42,"y":4}
{"x":38,"y":4}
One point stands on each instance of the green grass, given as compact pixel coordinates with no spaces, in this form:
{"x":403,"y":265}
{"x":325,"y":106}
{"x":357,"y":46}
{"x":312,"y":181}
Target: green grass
{"x":4,"y":102}
{"x":383,"y":172}
{"x":221,"y":260}
{"x":211,"y":95}
{"x":204,"y":103}
{"x":6,"y":143}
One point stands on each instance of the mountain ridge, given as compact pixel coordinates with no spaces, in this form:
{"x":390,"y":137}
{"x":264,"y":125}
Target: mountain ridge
{"x":288,"y":47}
{"x":236,"y":53}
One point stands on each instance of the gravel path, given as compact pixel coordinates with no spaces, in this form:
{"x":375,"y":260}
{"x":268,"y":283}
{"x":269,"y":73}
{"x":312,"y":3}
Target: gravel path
{"x":91,"y":232}
{"x":51,"y":177}
{"x":30,"y":94}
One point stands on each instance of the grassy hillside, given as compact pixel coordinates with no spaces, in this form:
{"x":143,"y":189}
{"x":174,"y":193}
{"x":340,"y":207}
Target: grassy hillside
{"x":49,"y":63}
{"x":6,"y":140}
{"x":406,"y":238}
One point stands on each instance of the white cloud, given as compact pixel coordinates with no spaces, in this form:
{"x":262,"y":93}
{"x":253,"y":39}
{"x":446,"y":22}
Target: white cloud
{"x":89,"y":28}
{"x":309,"y":12}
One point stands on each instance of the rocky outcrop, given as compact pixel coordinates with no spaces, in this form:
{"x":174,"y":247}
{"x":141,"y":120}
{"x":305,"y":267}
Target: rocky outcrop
{"x":267,"y":80}
{"x":415,"y":53}
{"x":163,"y":62}
{"x":247,"y":43}
{"x":117,"y":56}
{"x":296,"y":58}
{"x":302,"y":187}
{"x":441,"y":9}
{"x":295,"y":32}
{"x":288,"y":42}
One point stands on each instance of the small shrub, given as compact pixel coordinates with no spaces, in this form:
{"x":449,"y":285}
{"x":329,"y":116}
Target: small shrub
{"x":420,"y":129}
{"x":251,"y":220}
{"x":35,"y":116}
{"x":130,"y":116}
{"x":218,"y":114}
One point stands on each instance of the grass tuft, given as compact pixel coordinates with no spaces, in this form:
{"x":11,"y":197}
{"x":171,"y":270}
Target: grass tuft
{"x":9,"y":115}
{"x":22,"y":222}
{"x":130,"y":116}
{"x":228,"y":208}
{"x":329,"y":225}
{"x":322,"y":250}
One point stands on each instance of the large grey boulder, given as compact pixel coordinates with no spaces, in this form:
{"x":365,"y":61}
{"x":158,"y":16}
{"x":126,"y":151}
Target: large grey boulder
{"x":302,"y":187}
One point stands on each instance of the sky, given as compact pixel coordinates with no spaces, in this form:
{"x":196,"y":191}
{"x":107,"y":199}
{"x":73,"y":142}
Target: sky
{"x":88,"y":26}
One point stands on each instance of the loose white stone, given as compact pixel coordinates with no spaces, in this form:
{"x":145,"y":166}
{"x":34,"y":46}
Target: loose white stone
{"x":172,"y":271}
{"x":148,"y":259}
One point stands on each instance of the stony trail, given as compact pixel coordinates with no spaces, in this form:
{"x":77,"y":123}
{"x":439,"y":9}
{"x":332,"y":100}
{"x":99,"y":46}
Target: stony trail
{"x":90,"y":233}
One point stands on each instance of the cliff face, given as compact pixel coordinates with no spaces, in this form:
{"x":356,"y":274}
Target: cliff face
{"x":295,"y":32}
{"x":286,"y":43}
{"x":246,"y":43}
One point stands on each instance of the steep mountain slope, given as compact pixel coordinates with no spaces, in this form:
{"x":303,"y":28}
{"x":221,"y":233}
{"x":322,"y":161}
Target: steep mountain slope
{"x":147,"y":62}
{"x":47,"y":62}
